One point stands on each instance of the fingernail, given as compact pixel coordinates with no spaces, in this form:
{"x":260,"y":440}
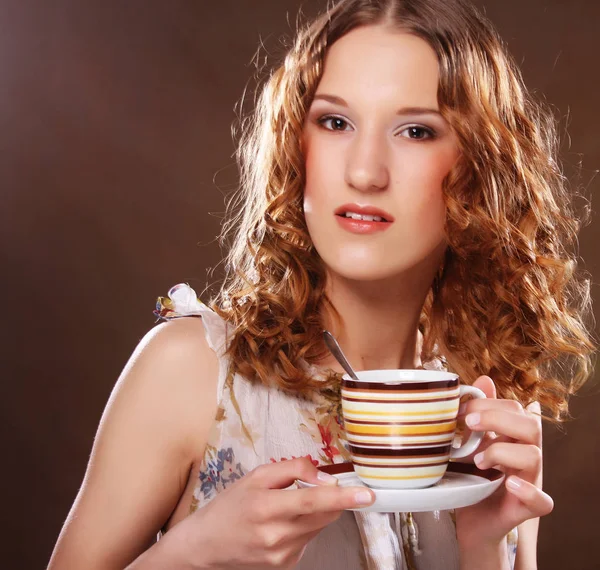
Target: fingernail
{"x":326,"y":478}
{"x":478,"y":458}
{"x":462,"y":408}
{"x":363,"y":498}
{"x":514,"y":482}
{"x":473,"y":419}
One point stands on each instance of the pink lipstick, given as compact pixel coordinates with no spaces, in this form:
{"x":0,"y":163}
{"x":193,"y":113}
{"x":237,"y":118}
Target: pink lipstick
{"x":363,"y":219}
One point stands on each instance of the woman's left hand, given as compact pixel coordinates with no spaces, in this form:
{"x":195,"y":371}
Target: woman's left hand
{"x":513,"y":444}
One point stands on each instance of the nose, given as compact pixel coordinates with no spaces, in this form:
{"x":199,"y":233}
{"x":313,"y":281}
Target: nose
{"x":367,"y":169}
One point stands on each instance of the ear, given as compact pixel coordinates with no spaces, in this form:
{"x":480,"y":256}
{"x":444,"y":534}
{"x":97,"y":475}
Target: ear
{"x":486,"y":385}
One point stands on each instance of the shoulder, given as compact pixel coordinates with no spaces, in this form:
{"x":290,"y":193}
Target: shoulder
{"x":178,"y":341}
{"x":171,"y":379}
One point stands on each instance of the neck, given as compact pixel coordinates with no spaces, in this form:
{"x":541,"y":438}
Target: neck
{"x":379,"y":321}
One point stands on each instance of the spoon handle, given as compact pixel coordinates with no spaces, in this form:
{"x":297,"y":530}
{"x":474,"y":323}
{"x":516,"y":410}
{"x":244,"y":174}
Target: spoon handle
{"x":335,"y":349}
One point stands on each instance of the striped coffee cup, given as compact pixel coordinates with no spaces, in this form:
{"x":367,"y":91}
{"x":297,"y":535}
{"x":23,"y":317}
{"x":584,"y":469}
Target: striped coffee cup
{"x":400,"y":425}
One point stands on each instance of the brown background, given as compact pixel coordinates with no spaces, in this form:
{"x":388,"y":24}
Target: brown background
{"x":115,"y":153}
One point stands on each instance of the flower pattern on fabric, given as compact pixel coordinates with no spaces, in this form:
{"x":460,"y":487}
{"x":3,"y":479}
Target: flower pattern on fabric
{"x":328,"y":433}
{"x":512,"y":540}
{"x":325,"y":427}
{"x":309,"y":457}
{"x":219,"y":470}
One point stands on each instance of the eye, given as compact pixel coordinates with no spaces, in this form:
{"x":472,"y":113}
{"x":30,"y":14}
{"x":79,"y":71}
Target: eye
{"x":417,"y":132}
{"x":334,"y":123}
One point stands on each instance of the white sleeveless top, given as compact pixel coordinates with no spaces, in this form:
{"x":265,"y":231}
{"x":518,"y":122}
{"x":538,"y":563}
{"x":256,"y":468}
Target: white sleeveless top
{"x":256,"y":424}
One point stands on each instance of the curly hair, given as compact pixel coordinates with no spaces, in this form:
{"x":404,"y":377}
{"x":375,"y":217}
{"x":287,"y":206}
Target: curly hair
{"x":507,"y":301}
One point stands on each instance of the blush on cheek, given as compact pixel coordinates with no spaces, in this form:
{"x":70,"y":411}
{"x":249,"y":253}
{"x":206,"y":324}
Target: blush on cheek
{"x":432,"y":213}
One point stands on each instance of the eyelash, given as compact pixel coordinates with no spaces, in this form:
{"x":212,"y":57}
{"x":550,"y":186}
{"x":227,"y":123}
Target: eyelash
{"x":430,"y":132}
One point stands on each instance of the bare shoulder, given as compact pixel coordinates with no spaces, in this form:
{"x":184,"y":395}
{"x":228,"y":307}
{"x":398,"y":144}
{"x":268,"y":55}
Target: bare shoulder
{"x":182,"y":338}
{"x":173,"y":354}
{"x":172,"y":376}
{"x":153,"y":428}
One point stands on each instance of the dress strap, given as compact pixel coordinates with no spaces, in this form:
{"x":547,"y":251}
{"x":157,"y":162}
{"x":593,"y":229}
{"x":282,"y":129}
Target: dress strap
{"x":182,"y":301}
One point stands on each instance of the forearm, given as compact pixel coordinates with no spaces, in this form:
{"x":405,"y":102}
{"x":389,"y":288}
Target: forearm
{"x":527,"y":545}
{"x":484,"y":556}
{"x":168,"y":552}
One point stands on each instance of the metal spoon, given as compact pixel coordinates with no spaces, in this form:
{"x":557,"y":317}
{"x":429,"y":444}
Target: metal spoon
{"x":335,"y":349}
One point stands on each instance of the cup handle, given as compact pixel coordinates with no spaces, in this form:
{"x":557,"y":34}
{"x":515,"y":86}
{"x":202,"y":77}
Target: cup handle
{"x":476,"y":436}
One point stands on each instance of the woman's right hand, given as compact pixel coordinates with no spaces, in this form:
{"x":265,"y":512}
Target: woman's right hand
{"x":258,"y":523}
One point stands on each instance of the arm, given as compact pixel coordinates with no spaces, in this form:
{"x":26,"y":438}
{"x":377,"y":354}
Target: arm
{"x":154,"y":425}
{"x":513,"y":444}
{"x":528,"y":531}
{"x":484,"y":557}
{"x":527,"y":545}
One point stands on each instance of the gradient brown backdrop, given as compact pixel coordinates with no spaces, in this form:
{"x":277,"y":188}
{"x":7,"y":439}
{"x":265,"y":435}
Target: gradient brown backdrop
{"x":115,"y":154}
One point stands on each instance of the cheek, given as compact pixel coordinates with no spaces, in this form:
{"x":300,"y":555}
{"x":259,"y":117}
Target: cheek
{"x":426,"y":175}
{"x":312,"y":201}
{"x":320,"y":175}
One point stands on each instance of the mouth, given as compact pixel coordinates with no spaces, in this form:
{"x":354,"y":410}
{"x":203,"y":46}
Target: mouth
{"x":364,"y":213}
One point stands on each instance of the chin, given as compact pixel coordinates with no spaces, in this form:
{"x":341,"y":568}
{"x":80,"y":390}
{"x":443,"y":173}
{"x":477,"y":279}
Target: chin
{"x":365,"y":272}
{"x":381,"y":268}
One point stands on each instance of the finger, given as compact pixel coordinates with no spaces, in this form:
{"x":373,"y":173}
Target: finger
{"x":514,"y":456}
{"x":535,"y":501}
{"x":481,"y":404}
{"x":520,"y":427}
{"x":318,"y":500}
{"x":486,"y":385}
{"x":535,"y":410}
{"x":284,"y":473}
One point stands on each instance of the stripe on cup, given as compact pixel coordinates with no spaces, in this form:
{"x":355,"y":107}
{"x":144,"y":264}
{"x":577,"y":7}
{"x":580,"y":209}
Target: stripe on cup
{"x":400,"y":386}
{"x":395,"y":429}
{"x":395,"y":442}
{"x":348,"y":397}
{"x":421,"y":451}
{"x":373,"y":475}
{"x":446,"y":413}
{"x":403,"y":449}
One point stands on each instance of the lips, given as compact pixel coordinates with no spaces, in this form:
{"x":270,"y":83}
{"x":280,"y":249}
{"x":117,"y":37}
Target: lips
{"x":364,"y":210}
{"x":375,"y":220}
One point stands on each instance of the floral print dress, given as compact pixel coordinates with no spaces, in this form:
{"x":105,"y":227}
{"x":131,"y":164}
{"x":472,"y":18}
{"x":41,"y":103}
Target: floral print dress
{"x":256,"y":424}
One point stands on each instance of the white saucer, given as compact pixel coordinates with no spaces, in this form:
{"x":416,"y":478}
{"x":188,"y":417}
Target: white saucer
{"x":462,"y":485}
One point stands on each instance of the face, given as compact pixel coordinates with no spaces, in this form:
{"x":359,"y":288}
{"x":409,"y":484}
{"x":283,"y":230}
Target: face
{"x":376,"y":145}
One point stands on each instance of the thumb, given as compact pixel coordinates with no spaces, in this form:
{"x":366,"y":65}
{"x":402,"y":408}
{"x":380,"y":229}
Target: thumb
{"x":486,"y":385}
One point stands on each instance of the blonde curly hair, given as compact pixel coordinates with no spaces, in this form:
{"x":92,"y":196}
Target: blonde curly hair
{"x":507,"y":301}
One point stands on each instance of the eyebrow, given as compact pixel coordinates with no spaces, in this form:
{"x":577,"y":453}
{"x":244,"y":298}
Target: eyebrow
{"x":403,"y":111}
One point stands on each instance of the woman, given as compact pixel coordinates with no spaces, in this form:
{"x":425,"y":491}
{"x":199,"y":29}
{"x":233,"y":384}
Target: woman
{"x":399,"y":188}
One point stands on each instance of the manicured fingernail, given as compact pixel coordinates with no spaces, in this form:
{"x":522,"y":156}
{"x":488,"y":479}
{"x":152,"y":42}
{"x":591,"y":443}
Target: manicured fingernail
{"x":478,"y":458}
{"x":462,"y":408}
{"x":514,"y":482}
{"x":363,"y":498}
{"x":473,"y":419}
{"x":326,"y":478}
